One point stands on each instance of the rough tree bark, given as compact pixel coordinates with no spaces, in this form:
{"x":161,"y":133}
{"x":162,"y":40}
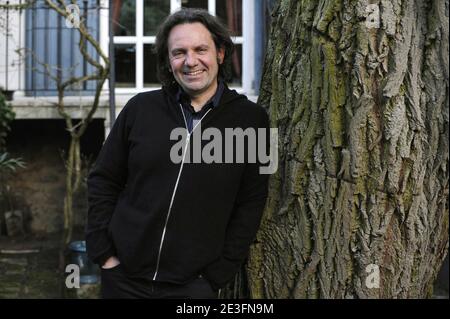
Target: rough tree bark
{"x":362,"y":106}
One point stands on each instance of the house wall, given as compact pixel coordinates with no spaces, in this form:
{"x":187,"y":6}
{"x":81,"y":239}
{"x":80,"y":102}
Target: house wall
{"x":39,"y":188}
{"x":12,"y":25}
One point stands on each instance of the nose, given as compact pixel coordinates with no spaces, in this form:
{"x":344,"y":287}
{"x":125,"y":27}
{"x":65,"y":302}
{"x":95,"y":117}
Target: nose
{"x":190,"y":60}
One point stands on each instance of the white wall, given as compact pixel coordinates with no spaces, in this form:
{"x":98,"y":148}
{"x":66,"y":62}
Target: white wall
{"x":12,"y":38}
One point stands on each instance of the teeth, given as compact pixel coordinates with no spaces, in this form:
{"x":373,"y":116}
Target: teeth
{"x":194,"y":73}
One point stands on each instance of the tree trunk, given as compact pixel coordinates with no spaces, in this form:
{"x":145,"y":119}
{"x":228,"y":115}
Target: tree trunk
{"x":361,"y":102}
{"x":73,"y":178}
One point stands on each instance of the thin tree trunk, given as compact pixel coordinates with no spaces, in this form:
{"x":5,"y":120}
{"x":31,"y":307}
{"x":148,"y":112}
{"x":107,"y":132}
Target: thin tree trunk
{"x":361,"y":102}
{"x":73,"y":166}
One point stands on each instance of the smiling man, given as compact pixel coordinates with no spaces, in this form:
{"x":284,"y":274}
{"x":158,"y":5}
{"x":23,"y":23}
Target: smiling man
{"x":165,"y":229}
{"x":194,"y":61}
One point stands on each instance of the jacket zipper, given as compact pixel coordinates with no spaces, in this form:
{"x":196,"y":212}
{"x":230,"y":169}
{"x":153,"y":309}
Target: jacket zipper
{"x":188,"y":138}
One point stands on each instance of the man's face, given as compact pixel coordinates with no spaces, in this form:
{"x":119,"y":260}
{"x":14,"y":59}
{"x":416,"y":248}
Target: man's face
{"x":194,"y":58}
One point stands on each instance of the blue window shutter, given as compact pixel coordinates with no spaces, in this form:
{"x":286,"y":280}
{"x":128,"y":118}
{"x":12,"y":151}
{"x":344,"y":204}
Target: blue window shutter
{"x":50,"y":41}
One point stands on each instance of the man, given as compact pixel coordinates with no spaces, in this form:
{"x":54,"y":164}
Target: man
{"x":164,"y":229}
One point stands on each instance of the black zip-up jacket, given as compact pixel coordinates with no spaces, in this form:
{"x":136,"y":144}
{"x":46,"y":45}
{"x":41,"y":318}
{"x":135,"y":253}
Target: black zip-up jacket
{"x":172,"y":222}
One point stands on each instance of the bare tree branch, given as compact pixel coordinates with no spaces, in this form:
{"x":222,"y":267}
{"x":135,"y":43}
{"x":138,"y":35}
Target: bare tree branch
{"x":82,"y":29}
{"x":18,"y":6}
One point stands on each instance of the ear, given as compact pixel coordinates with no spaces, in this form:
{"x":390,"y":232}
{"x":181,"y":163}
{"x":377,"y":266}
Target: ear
{"x":221,"y":55}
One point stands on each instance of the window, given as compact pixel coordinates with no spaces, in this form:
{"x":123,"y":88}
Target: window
{"x":52,"y":49}
{"x":135,"y":27}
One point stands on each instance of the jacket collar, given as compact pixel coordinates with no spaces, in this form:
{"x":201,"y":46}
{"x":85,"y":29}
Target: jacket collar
{"x":227,"y":95}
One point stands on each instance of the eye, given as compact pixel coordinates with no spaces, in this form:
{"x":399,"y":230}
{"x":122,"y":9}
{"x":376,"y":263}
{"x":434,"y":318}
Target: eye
{"x":177,"y":54}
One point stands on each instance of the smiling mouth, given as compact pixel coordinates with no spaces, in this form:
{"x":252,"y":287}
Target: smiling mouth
{"x":193,"y":73}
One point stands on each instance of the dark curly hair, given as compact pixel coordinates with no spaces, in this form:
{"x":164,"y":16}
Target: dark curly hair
{"x":219,"y":32}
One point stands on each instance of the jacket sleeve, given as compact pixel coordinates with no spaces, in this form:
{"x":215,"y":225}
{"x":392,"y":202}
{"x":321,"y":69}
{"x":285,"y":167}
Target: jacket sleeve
{"x":244,"y":222}
{"x":105,"y":183}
